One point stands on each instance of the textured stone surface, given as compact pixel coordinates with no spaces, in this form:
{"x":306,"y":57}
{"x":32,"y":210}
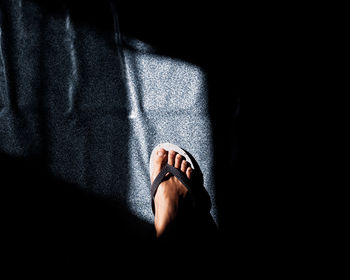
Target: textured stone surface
{"x":94,"y":109}
{"x":168,"y":103}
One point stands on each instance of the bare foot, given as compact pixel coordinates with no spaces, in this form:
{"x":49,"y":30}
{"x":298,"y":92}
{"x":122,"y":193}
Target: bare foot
{"x":170,"y":191}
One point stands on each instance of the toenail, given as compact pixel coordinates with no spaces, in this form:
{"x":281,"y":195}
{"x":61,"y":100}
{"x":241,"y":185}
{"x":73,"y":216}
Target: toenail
{"x":160,"y":153}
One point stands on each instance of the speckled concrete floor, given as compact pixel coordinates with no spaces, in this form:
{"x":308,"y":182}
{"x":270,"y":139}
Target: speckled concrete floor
{"x":168,"y":103}
{"x":96,"y":107}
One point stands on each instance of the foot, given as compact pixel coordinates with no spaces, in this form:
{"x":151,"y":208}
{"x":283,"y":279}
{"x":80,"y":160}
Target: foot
{"x":171,"y":191}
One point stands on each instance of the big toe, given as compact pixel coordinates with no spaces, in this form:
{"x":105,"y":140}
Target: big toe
{"x":160,"y":158}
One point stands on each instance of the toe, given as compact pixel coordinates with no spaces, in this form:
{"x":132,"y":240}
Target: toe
{"x":183,"y":166}
{"x":178,"y":160}
{"x":188,"y":172}
{"x":160,"y":159}
{"x":171,"y":157}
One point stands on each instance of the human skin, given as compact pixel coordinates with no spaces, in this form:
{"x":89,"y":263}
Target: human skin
{"x":171,"y":191}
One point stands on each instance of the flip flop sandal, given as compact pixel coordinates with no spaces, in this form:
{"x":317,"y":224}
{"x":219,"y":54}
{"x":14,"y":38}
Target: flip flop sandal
{"x":169,"y":169}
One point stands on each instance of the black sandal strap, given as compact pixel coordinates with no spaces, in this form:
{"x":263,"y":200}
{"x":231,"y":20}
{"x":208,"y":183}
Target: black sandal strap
{"x":160,"y":177}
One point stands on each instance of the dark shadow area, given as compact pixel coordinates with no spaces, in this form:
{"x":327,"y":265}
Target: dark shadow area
{"x":53,"y":228}
{"x":202,"y":203}
{"x":49,"y":226}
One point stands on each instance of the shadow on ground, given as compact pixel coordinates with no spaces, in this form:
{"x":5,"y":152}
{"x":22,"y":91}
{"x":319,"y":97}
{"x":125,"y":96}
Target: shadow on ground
{"x":49,"y":223}
{"x":54,"y":228}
